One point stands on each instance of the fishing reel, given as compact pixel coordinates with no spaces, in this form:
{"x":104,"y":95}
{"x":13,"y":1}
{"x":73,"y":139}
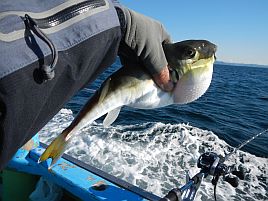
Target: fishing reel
{"x":210,"y":164}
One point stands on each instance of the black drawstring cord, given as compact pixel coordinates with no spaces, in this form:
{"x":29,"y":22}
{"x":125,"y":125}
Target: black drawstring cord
{"x":47,"y":70}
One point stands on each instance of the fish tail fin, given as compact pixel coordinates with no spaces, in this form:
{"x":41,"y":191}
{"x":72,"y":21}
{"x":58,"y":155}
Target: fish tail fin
{"x":55,"y":150}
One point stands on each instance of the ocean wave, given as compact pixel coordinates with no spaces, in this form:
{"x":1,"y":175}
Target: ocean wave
{"x":155,"y":156}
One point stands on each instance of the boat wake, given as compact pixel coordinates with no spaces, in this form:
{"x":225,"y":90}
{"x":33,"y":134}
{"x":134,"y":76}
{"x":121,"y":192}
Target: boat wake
{"x":155,"y":156}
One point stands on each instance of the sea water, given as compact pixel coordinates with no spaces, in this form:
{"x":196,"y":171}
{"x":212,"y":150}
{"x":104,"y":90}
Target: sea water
{"x":153,"y":149}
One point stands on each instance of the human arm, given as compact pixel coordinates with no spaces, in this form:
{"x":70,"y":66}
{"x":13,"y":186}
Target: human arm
{"x":145,"y":36}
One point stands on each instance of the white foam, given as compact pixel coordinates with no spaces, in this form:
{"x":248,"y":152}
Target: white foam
{"x":154,"y":156}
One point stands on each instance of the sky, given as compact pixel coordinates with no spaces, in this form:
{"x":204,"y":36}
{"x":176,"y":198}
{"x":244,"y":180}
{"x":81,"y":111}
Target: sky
{"x":238,"y":27}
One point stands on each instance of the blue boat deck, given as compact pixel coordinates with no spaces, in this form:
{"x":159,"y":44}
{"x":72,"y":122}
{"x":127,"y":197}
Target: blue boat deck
{"x":81,"y":180}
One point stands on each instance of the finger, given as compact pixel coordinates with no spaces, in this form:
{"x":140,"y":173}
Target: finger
{"x":162,"y":79}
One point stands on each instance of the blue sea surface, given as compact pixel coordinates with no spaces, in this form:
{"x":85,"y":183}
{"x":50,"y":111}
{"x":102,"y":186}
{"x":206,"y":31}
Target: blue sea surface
{"x":152,"y":149}
{"x":235,"y":107}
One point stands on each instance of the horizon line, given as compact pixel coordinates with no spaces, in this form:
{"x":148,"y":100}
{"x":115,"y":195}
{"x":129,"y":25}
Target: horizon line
{"x":238,"y":63}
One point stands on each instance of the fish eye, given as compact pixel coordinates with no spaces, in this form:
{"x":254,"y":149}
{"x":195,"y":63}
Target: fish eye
{"x":190,"y":53}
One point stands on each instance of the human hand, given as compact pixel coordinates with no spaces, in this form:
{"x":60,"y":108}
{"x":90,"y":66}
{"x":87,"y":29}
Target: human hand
{"x":143,"y":38}
{"x":162,"y":79}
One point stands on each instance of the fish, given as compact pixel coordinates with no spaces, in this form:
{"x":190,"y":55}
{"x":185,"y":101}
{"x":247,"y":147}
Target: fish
{"x":191,"y":67}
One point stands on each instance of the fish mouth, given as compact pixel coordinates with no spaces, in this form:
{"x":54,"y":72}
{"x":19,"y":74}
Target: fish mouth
{"x":177,"y":73}
{"x":186,"y":56}
{"x":175,"y":76}
{"x":191,"y":68}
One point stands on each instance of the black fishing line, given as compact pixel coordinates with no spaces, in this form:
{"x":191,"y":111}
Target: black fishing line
{"x":243,"y":144}
{"x":215,"y":179}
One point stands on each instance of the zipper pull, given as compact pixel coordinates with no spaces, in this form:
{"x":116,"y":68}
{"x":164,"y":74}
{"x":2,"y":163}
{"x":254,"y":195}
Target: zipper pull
{"x":48,"y":71}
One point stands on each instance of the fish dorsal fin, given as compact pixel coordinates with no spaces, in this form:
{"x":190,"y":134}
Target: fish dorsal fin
{"x":111,"y":117}
{"x":104,"y":90}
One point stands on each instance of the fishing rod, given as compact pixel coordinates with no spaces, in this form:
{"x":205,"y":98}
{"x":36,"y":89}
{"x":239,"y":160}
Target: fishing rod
{"x":210,"y":164}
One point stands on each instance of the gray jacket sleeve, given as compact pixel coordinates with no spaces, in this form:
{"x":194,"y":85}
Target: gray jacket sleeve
{"x":145,"y":36}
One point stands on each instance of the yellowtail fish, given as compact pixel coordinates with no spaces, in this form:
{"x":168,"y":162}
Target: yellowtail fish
{"x":191,"y":68}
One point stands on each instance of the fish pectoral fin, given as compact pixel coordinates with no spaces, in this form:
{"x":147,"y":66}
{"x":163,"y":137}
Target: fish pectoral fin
{"x":111,"y":117}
